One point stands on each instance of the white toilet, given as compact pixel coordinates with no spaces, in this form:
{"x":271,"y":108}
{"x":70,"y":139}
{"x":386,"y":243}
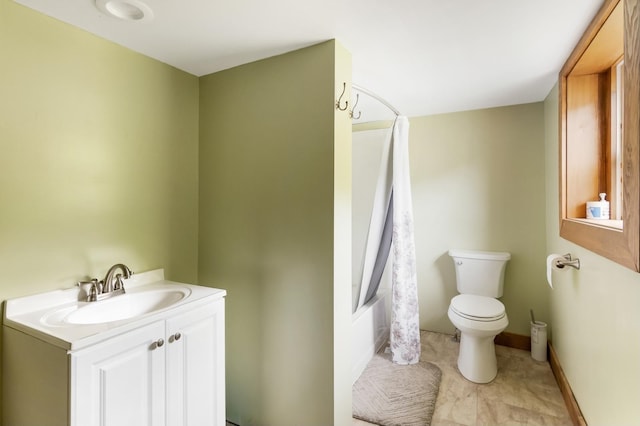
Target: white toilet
{"x":477,"y":312}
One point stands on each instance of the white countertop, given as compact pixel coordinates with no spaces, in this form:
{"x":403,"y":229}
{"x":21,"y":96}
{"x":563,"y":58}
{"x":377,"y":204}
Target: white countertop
{"x":27,"y":314}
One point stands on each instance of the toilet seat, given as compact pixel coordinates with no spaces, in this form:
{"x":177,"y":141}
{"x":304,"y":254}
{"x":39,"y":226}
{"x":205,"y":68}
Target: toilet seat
{"x":477,"y":308}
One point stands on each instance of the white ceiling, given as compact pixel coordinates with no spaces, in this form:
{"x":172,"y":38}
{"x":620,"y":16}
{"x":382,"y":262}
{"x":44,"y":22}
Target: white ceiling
{"x":422,"y":56}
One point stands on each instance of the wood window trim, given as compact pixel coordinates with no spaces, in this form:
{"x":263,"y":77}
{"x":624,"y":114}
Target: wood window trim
{"x":621,"y":246}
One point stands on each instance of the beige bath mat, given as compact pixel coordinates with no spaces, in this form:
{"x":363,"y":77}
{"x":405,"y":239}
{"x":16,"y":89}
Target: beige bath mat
{"x":389,"y":394}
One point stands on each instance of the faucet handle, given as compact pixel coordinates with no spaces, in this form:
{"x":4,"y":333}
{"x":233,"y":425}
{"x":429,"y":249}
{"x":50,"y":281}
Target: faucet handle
{"x":119,"y":285}
{"x":93,"y":292}
{"x":86,"y":287}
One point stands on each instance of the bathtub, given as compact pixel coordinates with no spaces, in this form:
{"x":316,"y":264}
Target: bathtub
{"x":369,"y":332}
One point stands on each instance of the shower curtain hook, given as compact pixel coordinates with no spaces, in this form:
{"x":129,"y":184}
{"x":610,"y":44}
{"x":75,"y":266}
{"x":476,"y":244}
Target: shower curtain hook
{"x":354,"y":107}
{"x":346,"y":103}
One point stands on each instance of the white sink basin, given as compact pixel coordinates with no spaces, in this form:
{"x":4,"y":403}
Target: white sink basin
{"x":120,"y":307}
{"x":125,"y":306}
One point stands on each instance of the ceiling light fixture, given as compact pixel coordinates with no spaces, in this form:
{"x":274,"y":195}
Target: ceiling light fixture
{"x":127,"y":10}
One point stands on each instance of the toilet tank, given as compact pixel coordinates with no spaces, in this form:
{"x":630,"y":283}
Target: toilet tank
{"x":480,"y":272}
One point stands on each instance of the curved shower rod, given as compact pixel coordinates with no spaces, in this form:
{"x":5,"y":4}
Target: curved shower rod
{"x":378,"y":98}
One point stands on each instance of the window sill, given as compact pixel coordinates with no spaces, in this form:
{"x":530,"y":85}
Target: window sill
{"x":611,"y":242}
{"x":603,"y":223}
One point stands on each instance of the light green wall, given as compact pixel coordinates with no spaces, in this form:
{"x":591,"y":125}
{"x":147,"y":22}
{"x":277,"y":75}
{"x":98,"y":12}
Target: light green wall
{"x":478,"y":183}
{"x":98,"y":158}
{"x":342,"y":153}
{"x":595,"y":315}
{"x":267,"y":221}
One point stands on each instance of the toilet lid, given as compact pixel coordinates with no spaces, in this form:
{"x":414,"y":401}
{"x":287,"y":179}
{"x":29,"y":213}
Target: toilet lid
{"x":477,"y":308}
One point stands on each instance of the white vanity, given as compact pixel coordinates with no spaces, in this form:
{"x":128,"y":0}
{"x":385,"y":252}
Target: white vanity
{"x":151,"y":357}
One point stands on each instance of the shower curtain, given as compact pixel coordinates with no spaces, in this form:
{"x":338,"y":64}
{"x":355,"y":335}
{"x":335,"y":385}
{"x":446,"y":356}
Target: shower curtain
{"x":405,"y":322}
{"x":391,"y":226}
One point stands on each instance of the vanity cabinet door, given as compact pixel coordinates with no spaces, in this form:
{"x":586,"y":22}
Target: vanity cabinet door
{"x":120,"y":382}
{"x":195,"y":367}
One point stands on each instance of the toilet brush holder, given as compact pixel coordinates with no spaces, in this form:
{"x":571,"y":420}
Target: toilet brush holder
{"x":539,"y":340}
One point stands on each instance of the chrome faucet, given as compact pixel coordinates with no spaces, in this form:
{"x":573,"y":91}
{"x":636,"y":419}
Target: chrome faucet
{"x":108,"y":285}
{"x":106,"y":288}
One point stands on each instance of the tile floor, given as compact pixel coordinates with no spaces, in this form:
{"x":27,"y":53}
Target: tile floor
{"x":524,"y":392}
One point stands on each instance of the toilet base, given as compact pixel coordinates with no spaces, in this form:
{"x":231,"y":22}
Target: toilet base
{"x":477,"y":358}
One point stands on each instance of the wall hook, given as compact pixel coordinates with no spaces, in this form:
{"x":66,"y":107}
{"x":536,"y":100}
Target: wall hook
{"x":346,"y":103}
{"x":354,"y":107}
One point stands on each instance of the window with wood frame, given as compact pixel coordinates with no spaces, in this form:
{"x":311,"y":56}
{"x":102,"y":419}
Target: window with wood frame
{"x":592,"y":123}
{"x":600,"y":134}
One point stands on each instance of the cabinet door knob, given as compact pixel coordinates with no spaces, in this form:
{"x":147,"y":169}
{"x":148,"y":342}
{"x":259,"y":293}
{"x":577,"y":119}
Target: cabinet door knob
{"x":159,"y":342}
{"x":177,"y":336}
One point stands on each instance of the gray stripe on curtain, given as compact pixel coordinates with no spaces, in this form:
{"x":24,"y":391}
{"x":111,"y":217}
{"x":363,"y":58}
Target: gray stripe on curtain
{"x":383,"y":253}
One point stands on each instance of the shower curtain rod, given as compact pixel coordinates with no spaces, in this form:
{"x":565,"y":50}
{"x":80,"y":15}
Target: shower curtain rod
{"x":378,"y":98}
